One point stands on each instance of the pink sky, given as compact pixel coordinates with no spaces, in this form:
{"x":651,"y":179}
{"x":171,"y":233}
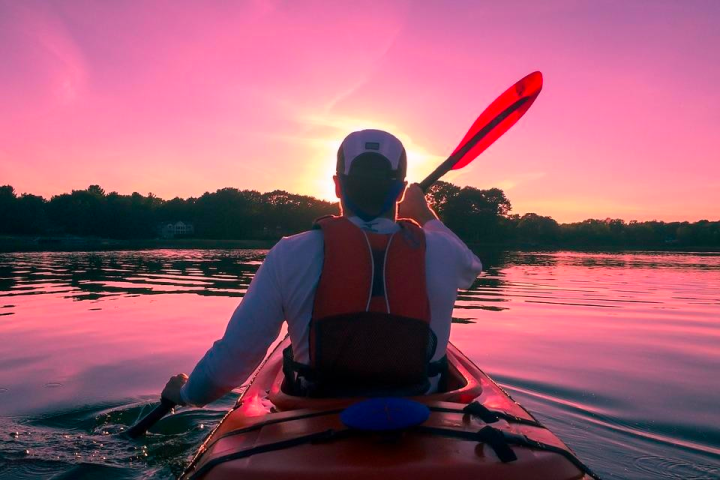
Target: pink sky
{"x":178,"y":98}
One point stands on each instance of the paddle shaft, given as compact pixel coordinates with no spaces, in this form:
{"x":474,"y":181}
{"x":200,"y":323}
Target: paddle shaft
{"x":150,"y":419}
{"x":448,"y":164}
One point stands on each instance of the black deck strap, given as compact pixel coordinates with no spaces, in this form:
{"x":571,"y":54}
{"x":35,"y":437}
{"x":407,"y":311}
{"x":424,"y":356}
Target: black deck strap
{"x":479,"y":410}
{"x":318,"y":437}
{"x":495,"y":439}
{"x":488,"y":416}
{"x":499,"y":440}
{"x":491,"y":416}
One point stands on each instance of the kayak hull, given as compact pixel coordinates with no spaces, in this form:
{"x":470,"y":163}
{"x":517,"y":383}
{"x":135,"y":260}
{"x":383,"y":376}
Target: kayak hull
{"x":273,"y":435}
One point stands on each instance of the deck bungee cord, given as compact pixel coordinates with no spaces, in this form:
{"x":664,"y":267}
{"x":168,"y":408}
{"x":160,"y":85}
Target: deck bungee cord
{"x":499,"y":440}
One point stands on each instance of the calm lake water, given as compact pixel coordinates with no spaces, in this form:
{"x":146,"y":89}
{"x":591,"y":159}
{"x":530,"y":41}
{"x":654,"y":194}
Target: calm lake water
{"x":618,"y":354}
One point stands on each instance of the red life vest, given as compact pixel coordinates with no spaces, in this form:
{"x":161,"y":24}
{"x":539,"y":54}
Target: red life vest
{"x":371,"y":272}
{"x":370,"y":328}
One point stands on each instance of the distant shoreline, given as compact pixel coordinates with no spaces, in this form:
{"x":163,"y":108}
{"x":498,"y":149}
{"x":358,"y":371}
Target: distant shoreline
{"x":21,"y":244}
{"x":590,"y":248}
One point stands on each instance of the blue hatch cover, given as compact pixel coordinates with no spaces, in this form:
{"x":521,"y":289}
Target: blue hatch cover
{"x":384,"y":414}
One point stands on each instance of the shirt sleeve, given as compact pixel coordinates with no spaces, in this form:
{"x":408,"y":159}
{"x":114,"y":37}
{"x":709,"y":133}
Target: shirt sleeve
{"x":469,"y":265}
{"x":253,"y":327}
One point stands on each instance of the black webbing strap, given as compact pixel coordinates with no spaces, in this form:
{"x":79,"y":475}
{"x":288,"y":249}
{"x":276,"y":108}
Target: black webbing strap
{"x":495,"y":439}
{"x":479,"y":410}
{"x":500,"y":441}
{"x":491,"y":416}
{"x":488,"y":435}
{"x":325,"y":435}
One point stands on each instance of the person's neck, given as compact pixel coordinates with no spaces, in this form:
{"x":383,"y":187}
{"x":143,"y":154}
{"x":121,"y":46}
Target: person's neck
{"x":390,"y":214}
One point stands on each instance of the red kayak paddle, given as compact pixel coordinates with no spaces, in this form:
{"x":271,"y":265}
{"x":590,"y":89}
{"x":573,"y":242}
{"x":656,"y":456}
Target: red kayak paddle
{"x":497,"y":119}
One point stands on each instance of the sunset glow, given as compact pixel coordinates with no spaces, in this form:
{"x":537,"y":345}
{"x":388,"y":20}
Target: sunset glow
{"x":179,"y":99}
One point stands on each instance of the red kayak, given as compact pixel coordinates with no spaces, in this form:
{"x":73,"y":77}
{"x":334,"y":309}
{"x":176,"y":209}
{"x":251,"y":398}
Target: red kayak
{"x":474,"y":431}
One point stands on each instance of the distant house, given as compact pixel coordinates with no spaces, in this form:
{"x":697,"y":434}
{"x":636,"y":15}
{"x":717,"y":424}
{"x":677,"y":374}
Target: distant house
{"x":176,"y":229}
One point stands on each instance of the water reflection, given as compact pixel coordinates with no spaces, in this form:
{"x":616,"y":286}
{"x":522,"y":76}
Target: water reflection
{"x":91,"y":276}
{"x":616,"y":352}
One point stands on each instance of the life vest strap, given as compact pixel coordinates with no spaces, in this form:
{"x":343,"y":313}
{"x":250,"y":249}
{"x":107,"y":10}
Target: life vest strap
{"x":360,"y":265}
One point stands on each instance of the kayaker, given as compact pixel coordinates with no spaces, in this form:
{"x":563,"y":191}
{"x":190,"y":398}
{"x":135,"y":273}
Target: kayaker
{"x":366,"y":297}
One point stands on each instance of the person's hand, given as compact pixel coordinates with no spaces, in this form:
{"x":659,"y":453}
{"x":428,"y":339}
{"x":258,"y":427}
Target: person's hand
{"x":172,"y":389}
{"x":414,"y":206}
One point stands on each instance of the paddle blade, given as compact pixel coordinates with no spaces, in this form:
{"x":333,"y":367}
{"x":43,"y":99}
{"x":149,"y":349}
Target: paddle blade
{"x":150,"y":419}
{"x":497,"y":119}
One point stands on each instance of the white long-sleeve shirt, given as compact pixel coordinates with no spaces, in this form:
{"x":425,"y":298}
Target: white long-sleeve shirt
{"x":283,"y":289}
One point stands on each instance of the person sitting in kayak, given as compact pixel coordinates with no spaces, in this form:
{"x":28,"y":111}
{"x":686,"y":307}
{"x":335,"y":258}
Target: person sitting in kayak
{"x":368,"y":299}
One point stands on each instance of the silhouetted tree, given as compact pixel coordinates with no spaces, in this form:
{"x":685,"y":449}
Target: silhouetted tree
{"x":475,"y":214}
{"x":534,"y":228}
{"x":439,"y":194}
{"x":227,"y":213}
{"x":8,"y":210}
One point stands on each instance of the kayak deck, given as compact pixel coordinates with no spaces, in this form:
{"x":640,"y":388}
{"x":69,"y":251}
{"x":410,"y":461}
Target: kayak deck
{"x":271,"y":434}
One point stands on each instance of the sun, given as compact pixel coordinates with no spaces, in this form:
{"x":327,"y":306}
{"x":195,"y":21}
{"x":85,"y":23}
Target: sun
{"x":317,"y":177}
{"x":326,"y":186}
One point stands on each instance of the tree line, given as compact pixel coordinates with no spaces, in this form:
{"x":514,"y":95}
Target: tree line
{"x":477,"y":216}
{"x":228,"y":213}
{"x":484,"y":216}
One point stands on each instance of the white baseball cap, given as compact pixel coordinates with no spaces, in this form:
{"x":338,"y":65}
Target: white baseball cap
{"x":372,"y":144}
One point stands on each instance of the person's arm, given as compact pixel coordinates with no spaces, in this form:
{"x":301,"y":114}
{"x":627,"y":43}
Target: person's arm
{"x":469,"y":265}
{"x":253,"y":327}
{"x":414,"y":206}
